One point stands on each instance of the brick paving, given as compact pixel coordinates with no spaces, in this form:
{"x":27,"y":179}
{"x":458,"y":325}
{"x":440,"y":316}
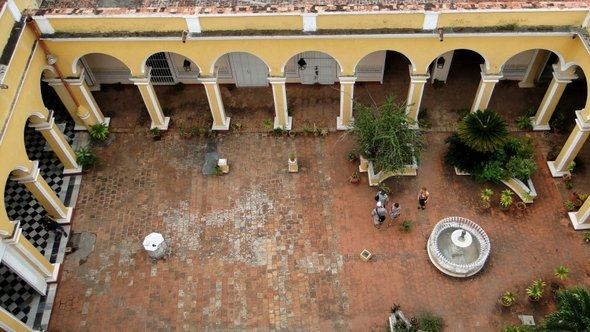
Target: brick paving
{"x":262,"y":249}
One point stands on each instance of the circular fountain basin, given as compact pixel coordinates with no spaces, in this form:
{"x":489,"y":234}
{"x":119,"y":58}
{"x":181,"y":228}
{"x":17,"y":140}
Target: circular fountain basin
{"x":457,"y":254}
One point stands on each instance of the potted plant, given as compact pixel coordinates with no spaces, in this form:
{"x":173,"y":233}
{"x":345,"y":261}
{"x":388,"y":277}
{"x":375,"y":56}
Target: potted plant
{"x":354,"y":178}
{"x":217,"y":170}
{"x":99,"y":132}
{"x":352,"y":156}
{"x":524,"y":122}
{"x":85,"y":157}
{"x":535,"y":290}
{"x":586,"y":236}
{"x":508,"y":299}
{"x":561,"y":272}
{"x":293,"y":166}
{"x":156,"y":133}
{"x":506,"y":199}
{"x":485,"y":195}
{"x":406,"y":225}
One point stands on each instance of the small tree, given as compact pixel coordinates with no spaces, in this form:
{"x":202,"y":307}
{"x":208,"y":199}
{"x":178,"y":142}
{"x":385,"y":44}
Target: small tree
{"x":483,"y":131}
{"x":573,"y":311}
{"x":385,"y":135}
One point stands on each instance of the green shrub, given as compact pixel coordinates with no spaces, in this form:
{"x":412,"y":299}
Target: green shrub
{"x":524,"y":122}
{"x":462,"y":156}
{"x":99,"y":131}
{"x":517,"y":328}
{"x":85,"y":157}
{"x":429,"y":322}
{"x":406,"y":225}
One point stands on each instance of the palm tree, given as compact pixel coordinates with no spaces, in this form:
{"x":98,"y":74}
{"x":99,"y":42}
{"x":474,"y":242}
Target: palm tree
{"x":573,"y":311}
{"x":385,"y":135}
{"x":483,"y":131}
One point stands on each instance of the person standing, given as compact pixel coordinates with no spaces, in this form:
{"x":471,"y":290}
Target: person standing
{"x":378,"y":213}
{"x":423,"y":197}
{"x":395,"y":211}
{"x":382,"y":197}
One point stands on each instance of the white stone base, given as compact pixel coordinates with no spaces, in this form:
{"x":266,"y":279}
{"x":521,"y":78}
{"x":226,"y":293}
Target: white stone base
{"x":526,"y":85}
{"x":72,"y":171}
{"x":222,"y":163}
{"x":54,"y":274}
{"x":225,"y":126}
{"x":162,"y":127}
{"x":288,"y":126}
{"x":576,"y":223}
{"x":342,"y":126}
{"x":293,"y":166}
{"x":68,"y":219}
{"x":460,"y":172}
{"x":80,"y":127}
{"x":541,"y":127}
{"x":554,"y":172}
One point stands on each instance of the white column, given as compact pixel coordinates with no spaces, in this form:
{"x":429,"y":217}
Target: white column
{"x":88,"y":100}
{"x":279,"y":94}
{"x":45,"y":195}
{"x":552,"y":96}
{"x":572,"y":146}
{"x":220,"y":121}
{"x":485,"y":89}
{"x":10,"y":323}
{"x":146,"y":89}
{"x":345,"y":119}
{"x":16,"y":253}
{"x":59,"y":144}
{"x":580,"y":218}
{"x":415,"y":91}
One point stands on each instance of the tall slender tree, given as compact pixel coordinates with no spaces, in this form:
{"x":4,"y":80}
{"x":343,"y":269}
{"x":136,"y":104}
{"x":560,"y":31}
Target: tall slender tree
{"x":386,"y":136}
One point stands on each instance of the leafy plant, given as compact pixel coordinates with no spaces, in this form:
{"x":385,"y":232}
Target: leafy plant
{"x":524,"y":122}
{"x":586,"y":236}
{"x":99,"y":131}
{"x":571,"y":166}
{"x":462,"y":156}
{"x":483,"y":131}
{"x":569,"y":205}
{"x":156,"y":132}
{"x":486,"y":194}
{"x":508,"y":298}
{"x":85,"y":157}
{"x":506,"y":198}
{"x":384,"y":187}
{"x":430,"y":322}
{"x":406,"y":225}
{"x":217,"y":170}
{"x":561,"y":272}
{"x":573,"y":311}
{"x":292,"y":156}
{"x":557,"y":120}
{"x":385,"y":135}
{"x":267,"y":123}
{"x":352,"y":156}
{"x":535,"y":290}
{"x":517,"y":328}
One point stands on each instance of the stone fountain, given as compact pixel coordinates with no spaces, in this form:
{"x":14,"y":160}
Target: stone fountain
{"x":458,"y":247}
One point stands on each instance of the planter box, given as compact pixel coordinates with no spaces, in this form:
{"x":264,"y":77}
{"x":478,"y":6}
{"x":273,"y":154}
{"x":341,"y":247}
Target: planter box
{"x":375,"y":179}
{"x":521,"y":189}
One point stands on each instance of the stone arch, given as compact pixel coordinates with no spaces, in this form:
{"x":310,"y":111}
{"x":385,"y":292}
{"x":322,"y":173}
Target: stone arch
{"x":176,"y":63}
{"x":389,"y":68}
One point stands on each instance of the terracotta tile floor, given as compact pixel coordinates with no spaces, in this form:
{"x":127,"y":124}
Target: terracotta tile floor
{"x":261,"y":249}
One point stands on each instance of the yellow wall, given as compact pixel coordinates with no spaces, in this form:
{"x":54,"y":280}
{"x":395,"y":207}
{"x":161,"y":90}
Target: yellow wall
{"x":101,"y":24}
{"x":366,"y":21}
{"x":521,"y":18}
{"x":253,"y":22}
{"x":6,"y":23}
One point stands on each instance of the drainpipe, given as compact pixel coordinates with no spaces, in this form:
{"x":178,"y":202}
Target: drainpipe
{"x":51,"y":59}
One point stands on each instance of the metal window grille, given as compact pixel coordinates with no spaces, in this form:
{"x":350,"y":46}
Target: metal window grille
{"x":161,"y":73}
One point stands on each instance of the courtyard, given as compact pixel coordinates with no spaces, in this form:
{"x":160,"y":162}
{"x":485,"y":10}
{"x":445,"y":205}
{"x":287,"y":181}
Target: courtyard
{"x":262,"y":249}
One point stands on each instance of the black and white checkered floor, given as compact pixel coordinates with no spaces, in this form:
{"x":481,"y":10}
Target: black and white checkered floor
{"x":17,"y":297}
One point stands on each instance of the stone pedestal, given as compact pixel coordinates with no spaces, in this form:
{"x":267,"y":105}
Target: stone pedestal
{"x":222,"y":163}
{"x":293,"y":166}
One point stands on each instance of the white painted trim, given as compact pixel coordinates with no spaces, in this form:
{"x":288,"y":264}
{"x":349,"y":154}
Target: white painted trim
{"x":155,"y":103}
{"x":6,"y":327}
{"x":586,"y":20}
{"x":93,"y":106}
{"x":14,"y":10}
{"x":309,"y":22}
{"x":579,"y":223}
{"x":430,"y":20}
{"x":349,"y":36}
{"x":194,"y":24}
{"x":44,"y":25}
{"x":543,"y":108}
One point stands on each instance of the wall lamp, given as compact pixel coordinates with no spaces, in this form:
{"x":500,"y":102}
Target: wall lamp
{"x":574,"y":36}
{"x":184,"y":35}
{"x":186,"y":65}
{"x":440,"y":63}
{"x":302,"y":64}
{"x":3,"y":86}
{"x":441,"y":34}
